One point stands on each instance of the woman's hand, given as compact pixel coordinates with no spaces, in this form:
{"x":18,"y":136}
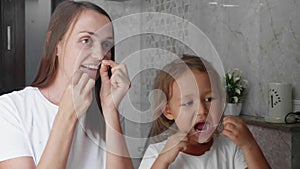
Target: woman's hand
{"x":114,"y":89}
{"x":175,"y":144}
{"x":238,"y":132}
{"x":78,"y":94}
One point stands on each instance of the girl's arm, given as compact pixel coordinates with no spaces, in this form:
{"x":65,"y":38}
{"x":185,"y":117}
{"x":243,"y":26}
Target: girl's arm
{"x":175,"y":144}
{"x":111,"y":93}
{"x":239,"y":133}
{"x":58,"y":146}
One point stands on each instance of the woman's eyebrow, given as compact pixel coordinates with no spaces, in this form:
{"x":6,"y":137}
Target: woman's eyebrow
{"x":93,"y":34}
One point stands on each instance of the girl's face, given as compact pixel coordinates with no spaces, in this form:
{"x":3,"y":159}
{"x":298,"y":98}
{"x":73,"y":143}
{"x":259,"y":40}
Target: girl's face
{"x":86,"y":45}
{"x":195,"y":106}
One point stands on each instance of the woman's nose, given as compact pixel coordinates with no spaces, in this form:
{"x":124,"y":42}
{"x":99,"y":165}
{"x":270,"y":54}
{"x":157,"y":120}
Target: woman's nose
{"x":97,"y":53}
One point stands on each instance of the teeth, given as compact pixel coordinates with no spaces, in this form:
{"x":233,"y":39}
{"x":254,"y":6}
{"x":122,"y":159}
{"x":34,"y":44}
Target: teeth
{"x":206,"y":127}
{"x":91,"y":66}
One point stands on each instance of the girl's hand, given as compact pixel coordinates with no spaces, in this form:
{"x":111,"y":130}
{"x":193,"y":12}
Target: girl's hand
{"x":114,"y":89}
{"x":175,"y":144}
{"x":238,"y":132}
{"x":78,"y":94}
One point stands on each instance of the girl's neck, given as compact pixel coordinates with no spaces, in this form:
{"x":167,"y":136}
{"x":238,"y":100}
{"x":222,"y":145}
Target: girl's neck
{"x":198,"y":149}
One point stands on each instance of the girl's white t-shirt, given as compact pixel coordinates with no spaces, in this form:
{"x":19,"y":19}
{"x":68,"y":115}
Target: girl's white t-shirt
{"x":223,"y":154}
{"x":26,"y":119}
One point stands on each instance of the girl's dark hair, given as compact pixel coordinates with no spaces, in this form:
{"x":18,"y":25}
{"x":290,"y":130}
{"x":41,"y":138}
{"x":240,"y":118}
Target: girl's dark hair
{"x":164,"y":82}
{"x":63,"y":18}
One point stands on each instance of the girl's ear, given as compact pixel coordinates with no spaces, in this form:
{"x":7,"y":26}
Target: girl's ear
{"x":167,"y":113}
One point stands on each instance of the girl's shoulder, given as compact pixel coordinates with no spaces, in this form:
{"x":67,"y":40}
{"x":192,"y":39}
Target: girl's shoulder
{"x":156,"y":147}
{"x":224,"y":144}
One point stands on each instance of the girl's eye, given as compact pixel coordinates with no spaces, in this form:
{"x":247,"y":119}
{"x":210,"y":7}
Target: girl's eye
{"x":189,"y":103}
{"x":209,"y":99}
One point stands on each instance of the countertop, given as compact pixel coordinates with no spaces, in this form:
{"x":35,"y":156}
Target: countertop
{"x":259,"y":121}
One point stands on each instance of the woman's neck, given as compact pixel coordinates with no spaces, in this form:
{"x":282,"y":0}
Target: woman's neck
{"x":55,"y":91}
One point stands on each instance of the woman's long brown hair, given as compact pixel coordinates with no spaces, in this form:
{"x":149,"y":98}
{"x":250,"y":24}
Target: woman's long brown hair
{"x":62,"y":19}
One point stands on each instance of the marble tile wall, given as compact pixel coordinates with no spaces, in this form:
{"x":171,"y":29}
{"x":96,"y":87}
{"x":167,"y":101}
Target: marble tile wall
{"x":260,"y":37}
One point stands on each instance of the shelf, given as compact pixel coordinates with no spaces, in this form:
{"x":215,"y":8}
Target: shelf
{"x":259,"y":121}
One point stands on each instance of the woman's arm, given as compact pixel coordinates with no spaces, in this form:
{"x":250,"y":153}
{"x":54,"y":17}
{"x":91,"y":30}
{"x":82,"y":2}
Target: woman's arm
{"x":116,"y":148}
{"x":239,"y":133}
{"x":111,"y":93}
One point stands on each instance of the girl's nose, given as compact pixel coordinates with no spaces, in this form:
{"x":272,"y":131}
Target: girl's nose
{"x":202,"y":109}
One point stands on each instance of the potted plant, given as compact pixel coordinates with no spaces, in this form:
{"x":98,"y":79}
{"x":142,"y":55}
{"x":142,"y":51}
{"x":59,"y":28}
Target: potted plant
{"x":236,"y":90}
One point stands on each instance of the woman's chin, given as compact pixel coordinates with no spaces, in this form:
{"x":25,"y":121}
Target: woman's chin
{"x":93,"y":73}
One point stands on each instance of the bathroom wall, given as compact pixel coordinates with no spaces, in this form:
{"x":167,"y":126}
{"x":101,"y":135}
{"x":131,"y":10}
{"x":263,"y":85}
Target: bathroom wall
{"x":260,"y":37}
{"x":37,"y":15}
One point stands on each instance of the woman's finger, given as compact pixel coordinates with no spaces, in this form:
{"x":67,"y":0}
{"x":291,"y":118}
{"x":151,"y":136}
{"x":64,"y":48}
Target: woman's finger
{"x":82,"y":82}
{"x":110,"y":63}
{"x":77,"y":75}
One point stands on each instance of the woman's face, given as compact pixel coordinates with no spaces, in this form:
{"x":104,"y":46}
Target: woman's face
{"x":86,"y":45}
{"x":195,"y":106}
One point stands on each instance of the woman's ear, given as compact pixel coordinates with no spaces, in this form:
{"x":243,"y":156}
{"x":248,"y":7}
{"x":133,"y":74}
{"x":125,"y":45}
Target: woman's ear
{"x":48,"y":35}
{"x":167,"y":112}
{"x":59,"y":48}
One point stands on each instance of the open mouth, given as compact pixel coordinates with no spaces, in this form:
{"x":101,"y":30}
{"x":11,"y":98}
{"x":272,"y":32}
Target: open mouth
{"x":91,"y":67}
{"x":202,"y":127}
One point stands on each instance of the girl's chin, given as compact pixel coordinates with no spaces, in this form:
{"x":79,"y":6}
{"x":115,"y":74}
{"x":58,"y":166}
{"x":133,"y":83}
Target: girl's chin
{"x":202,"y":138}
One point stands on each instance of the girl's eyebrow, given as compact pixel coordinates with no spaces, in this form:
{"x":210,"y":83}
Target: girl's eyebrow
{"x":193,"y":95}
{"x":185,"y":96}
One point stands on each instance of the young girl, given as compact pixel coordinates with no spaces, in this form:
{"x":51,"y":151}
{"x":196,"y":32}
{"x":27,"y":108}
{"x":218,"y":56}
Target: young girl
{"x":192,"y":106}
{"x":39,"y":125}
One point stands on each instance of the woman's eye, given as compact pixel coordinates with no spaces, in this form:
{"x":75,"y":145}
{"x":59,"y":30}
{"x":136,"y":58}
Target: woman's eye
{"x":106,"y":46}
{"x":85,"y":41}
{"x":189,"y":103}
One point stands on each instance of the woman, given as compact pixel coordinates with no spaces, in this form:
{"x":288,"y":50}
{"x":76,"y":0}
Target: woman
{"x":39,"y":124}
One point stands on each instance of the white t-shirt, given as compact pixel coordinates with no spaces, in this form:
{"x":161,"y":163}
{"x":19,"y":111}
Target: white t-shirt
{"x":26,"y":119}
{"x":223,"y":154}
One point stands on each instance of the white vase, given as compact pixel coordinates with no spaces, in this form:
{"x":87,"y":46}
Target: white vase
{"x":233,"y":109}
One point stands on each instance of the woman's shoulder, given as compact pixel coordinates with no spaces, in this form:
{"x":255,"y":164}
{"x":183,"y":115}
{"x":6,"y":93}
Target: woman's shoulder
{"x":19,"y":93}
{"x":18,"y":101}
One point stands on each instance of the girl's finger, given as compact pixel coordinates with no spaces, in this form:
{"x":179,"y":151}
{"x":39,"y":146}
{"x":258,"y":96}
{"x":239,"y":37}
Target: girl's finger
{"x":228,"y":134}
